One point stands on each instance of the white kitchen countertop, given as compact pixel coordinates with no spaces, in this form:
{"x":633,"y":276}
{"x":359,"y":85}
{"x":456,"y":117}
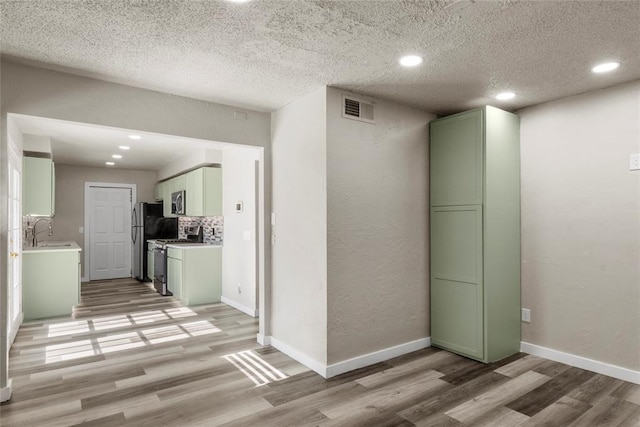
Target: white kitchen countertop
{"x":194,"y":246}
{"x":54,"y":246}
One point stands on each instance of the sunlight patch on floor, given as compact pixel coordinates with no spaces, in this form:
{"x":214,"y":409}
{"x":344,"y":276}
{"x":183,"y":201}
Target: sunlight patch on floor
{"x":258,"y":370}
{"x":68,"y":328}
{"x":111,"y":322}
{"x":127,"y":340}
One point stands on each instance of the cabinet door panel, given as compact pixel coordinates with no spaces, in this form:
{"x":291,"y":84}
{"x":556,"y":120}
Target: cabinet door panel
{"x":174,"y":277}
{"x":38,"y":186}
{"x":194,"y":192}
{"x":212,"y":191}
{"x":150,"y":265}
{"x":456,"y":313}
{"x":456,"y":167}
{"x":456,"y":279}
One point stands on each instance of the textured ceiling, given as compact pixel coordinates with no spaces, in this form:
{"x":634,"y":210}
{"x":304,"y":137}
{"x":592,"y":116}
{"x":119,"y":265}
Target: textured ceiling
{"x":265,"y":54}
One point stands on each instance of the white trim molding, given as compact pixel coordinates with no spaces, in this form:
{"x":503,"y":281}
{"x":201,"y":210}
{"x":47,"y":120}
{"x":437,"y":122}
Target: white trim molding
{"x":299,"y":356}
{"x":264,"y":339}
{"x":328,"y":371}
{"x":376,"y":357}
{"x":242,"y":308}
{"x":5,"y":392}
{"x":582,"y":362}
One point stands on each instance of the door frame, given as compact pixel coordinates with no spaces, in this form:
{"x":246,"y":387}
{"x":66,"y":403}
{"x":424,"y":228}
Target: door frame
{"x":14,"y":324}
{"x":88,"y":219}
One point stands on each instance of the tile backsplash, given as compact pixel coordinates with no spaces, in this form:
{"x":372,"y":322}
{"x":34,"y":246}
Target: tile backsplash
{"x":212,"y":227}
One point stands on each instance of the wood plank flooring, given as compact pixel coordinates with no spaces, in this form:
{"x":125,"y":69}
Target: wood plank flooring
{"x":129,"y":357}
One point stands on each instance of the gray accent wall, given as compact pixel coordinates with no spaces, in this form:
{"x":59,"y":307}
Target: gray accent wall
{"x":581,"y":225}
{"x":377,"y":229}
{"x":70,"y":182}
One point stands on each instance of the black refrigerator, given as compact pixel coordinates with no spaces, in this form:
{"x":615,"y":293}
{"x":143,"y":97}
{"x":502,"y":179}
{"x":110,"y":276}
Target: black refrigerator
{"x":147,"y":223}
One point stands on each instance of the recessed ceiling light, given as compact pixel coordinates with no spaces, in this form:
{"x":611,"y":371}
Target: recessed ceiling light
{"x":109,"y":163}
{"x":505,"y":95}
{"x":238,"y":1}
{"x":135,"y":137}
{"x":605,"y":67}
{"x":410,"y":60}
{"x":123,"y":147}
{"x":116,"y":156}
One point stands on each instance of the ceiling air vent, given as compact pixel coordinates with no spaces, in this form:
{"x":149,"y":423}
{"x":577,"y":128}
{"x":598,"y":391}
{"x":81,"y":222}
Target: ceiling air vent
{"x":357,"y":109}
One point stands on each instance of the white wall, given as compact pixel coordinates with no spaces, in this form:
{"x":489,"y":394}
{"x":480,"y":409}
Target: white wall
{"x":44,"y":93}
{"x":239,"y":251}
{"x":299,"y":256}
{"x":378,"y":229}
{"x":581,"y":225}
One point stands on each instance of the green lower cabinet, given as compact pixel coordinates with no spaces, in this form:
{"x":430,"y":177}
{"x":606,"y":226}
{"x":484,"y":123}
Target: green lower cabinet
{"x":194,"y":275}
{"x":50,"y":283}
{"x":150,"y":264}
{"x":475,"y":233}
{"x":457,"y":279}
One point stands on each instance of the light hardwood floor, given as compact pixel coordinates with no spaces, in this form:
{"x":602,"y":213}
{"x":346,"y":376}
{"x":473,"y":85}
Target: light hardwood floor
{"x":132,"y":357}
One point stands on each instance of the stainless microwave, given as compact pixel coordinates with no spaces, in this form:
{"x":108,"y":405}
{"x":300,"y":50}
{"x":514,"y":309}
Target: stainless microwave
{"x":178,"y":202}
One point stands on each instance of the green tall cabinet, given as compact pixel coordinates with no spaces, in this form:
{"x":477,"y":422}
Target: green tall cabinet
{"x":475,"y":233}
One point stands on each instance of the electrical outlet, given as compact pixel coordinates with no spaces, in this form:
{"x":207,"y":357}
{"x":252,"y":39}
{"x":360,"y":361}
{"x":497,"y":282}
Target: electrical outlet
{"x":239,"y":288}
{"x":526,"y":315}
{"x":634,"y":162}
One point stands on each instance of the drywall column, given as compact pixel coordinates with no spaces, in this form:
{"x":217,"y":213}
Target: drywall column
{"x":581,"y":225}
{"x":299,"y":254}
{"x":378,"y":223}
{"x":239,"y":252}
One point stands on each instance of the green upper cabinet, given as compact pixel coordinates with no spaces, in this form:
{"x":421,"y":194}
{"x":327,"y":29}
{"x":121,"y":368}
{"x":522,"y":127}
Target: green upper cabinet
{"x":158,"y":191}
{"x":38,"y":186}
{"x":475,"y":233}
{"x":166,"y":189}
{"x":456,"y":143}
{"x":204,"y":192}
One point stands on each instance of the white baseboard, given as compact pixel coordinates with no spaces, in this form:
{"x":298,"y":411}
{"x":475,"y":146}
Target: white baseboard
{"x":84,"y":279}
{"x":299,"y":357}
{"x":242,"y":308}
{"x":5,"y":392}
{"x":350,"y":364}
{"x":264,"y":339}
{"x":582,"y":362}
{"x":376,"y":357}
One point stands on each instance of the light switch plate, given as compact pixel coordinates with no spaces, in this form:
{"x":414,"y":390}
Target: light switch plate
{"x":634,"y":162}
{"x":526,"y":315}
{"x":246,"y":235}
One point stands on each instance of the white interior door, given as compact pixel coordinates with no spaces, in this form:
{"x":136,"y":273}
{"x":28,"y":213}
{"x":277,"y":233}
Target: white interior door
{"x":15,"y":242}
{"x":110,"y":233}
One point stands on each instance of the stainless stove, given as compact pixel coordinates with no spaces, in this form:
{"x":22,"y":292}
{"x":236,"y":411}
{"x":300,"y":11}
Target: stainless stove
{"x":194,"y":235}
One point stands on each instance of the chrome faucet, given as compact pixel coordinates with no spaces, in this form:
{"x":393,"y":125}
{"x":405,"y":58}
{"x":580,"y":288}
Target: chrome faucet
{"x":34,"y":233}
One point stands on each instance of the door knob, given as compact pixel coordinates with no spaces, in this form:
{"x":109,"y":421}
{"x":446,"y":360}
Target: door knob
{"x":14,"y":254}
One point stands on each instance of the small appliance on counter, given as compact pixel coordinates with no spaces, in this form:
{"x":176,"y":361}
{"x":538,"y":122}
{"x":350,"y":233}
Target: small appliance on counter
{"x":194,"y":235}
{"x":148,"y":223}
